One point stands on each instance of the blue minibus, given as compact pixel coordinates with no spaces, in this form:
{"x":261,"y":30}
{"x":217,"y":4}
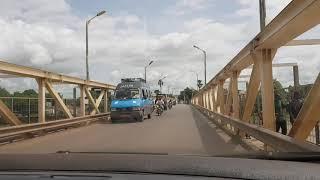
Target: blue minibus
{"x":132,"y":101}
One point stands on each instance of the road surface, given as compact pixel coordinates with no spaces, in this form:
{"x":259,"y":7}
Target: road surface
{"x":181,"y":130}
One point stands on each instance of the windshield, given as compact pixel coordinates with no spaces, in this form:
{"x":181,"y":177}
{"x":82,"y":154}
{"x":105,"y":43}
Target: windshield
{"x":176,"y":77}
{"x":126,"y":93}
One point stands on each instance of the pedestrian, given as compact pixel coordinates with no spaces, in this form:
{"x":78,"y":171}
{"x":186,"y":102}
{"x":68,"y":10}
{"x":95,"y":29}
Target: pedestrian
{"x":280,"y":120}
{"x":295,"y":106}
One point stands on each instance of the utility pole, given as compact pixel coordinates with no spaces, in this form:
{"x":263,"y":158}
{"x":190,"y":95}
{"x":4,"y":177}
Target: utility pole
{"x":262,"y":8}
{"x":262,"y":11}
{"x":74,"y":102}
{"x":87,"y":53}
{"x":205,"y":67}
{"x":296,"y":76}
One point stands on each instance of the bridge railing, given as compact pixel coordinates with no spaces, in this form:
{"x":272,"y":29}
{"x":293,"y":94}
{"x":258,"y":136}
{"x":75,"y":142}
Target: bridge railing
{"x":297,"y":18}
{"x":26,"y":108}
{"x":276,"y":140}
{"x":46,"y":82}
{"x":15,"y":133}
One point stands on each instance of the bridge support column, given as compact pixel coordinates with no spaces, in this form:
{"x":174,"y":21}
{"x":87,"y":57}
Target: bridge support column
{"x":75,"y":102}
{"x":268,"y":112}
{"x":41,"y":100}
{"x":229,"y":99}
{"x":82,"y":100}
{"x":221,"y":97}
{"x":235,"y":95}
{"x":204,"y":99}
{"x":106,"y":101}
{"x":210,"y":99}
{"x":207,"y":100}
{"x":214,"y":99}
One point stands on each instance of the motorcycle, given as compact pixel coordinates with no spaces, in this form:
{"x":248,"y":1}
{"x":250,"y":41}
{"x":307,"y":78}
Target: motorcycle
{"x":158,"y":110}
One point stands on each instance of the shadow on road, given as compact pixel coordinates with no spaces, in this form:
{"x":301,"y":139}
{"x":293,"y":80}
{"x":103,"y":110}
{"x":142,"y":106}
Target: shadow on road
{"x":214,"y":140}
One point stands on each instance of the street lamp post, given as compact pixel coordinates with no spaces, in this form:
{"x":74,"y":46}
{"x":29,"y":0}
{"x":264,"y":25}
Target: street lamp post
{"x":205,"y":63}
{"x":145,"y":70}
{"x":87,"y":51}
{"x":160,"y":83}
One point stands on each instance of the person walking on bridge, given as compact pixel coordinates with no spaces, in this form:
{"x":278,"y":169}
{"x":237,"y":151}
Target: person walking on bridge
{"x":295,"y":106}
{"x":280,"y":120}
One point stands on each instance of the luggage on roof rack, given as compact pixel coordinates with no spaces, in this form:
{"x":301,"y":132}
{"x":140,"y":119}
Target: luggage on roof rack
{"x":133,"y":80}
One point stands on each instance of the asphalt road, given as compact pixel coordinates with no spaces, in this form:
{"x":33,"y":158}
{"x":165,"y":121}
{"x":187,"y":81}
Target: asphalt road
{"x":181,"y":130}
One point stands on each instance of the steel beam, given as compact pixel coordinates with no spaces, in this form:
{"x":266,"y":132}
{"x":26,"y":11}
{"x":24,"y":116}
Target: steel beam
{"x":252,"y":90}
{"x":303,"y":42}
{"x":8,"y":115}
{"x":18,"y":70}
{"x":280,"y":65}
{"x":298,"y":17}
{"x":58,"y":100}
{"x":97,"y":103}
{"x":91,"y":100}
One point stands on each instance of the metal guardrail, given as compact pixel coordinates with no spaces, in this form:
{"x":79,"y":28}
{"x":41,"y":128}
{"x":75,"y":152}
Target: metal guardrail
{"x":275,"y":140}
{"x":10,"y":134}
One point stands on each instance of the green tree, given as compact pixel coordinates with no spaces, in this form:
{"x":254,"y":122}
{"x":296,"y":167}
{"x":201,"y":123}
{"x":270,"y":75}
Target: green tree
{"x":4,"y":92}
{"x":186,"y":94}
{"x":26,"y":93}
{"x":30,"y":93}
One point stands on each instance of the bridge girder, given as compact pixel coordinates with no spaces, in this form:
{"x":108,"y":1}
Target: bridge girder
{"x":297,"y":18}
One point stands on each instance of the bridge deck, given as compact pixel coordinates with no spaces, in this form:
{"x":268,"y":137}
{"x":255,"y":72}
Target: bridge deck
{"x":182,"y":130}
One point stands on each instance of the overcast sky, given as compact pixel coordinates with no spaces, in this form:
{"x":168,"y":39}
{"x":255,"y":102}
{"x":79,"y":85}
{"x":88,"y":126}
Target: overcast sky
{"x":50,"y":34}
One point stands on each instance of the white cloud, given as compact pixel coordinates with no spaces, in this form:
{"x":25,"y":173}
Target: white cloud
{"x":182,"y":7}
{"x":54,"y":39}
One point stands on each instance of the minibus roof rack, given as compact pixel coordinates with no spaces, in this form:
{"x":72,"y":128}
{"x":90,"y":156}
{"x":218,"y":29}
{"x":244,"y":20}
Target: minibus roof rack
{"x":133,"y":80}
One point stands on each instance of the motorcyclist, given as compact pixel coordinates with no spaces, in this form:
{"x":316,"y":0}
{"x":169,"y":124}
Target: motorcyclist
{"x":165,"y":103}
{"x":160,"y":103}
{"x":170,"y":104}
